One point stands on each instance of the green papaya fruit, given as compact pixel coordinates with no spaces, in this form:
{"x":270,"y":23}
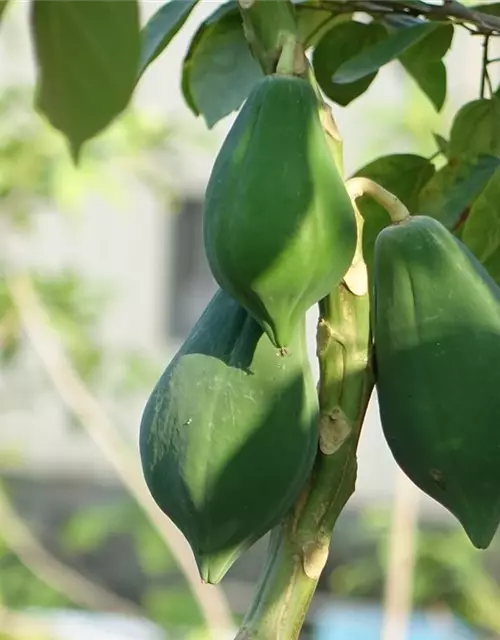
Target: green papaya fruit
{"x":436,"y":327}
{"x":229,"y":435}
{"x":279,"y":226}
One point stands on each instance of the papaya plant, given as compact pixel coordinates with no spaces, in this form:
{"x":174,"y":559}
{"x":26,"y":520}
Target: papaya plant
{"x":401,"y":259}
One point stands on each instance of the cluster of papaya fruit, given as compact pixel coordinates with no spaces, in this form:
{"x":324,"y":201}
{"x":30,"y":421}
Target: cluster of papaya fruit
{"x":230,"y":433}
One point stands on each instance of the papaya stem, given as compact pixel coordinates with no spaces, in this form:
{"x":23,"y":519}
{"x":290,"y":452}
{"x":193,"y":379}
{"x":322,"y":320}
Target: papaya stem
{"x":292,"y":60}
{"x":358,"y":187}
{"x":298,"y":548}
{"x":269,"y":26}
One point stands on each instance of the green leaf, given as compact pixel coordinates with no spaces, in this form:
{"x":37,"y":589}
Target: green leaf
{"x":379,"y":54}
{"x":476,"y":130}
{"x":482,"y":228}
{"x":313,"y":23}
{"x":339,"y":44}
{"x":423,"y":61}
{"x":402,"y":174}
{"x":452,"y":190}
{"x":88,"y":56}
{"x":441,"y":143}
{"x":162,"y":27}
{"x":219,"y":71}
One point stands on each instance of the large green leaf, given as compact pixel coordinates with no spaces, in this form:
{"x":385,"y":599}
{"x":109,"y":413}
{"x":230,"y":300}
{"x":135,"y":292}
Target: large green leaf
{"x":402,"y":174}
{"x":423,"y":61}
{"x":453,"y":189}
{"x":313,"y":23}
{"x":162,"y":27}
{"x":87,"y":56}
{"x":476,"y":130}
{"x":481,"y":231}
{"x":219,"y":70}
{"x":339,"y":44}
{"x":373,"y":58}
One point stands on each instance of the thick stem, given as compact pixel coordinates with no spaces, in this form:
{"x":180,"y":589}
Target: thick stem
{"x":358,"y":187}
{"x":298,"y":550}
{"x":284,"y":593}
{"x":270,"y":27}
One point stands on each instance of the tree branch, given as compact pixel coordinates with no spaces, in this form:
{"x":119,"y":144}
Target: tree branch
{"x":79,"y":399}
{"x":450,"y":11}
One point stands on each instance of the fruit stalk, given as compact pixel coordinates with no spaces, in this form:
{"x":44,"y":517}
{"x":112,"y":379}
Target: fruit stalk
{"x":358,"y":187}
{"x":298,"y":549}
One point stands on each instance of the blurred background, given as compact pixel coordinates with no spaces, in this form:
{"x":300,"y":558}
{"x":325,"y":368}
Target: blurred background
{"x":117,"y":278}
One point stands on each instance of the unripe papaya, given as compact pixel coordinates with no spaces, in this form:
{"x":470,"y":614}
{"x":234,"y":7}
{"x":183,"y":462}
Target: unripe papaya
{"x":436,"y":327}
{"x":229,"y":435}
{"x":279,"y":226}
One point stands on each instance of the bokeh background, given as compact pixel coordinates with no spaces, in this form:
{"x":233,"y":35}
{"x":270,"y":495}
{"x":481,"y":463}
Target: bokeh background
{"x":115,"y":277}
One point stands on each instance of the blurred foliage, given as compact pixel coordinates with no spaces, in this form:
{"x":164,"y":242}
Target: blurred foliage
{"x":19,"y":588}
{"x":74,"y":307}
{"x":37,"y":169}
{"x":86,"y":533}
{"x":37,"y":175}
{"x":449,"y":572}
{"x":90,"y":528}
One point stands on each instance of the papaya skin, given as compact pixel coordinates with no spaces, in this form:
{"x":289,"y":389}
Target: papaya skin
{"x":279,"y":226}
{"x":229,"y":435}
{"x":436,"y":326}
